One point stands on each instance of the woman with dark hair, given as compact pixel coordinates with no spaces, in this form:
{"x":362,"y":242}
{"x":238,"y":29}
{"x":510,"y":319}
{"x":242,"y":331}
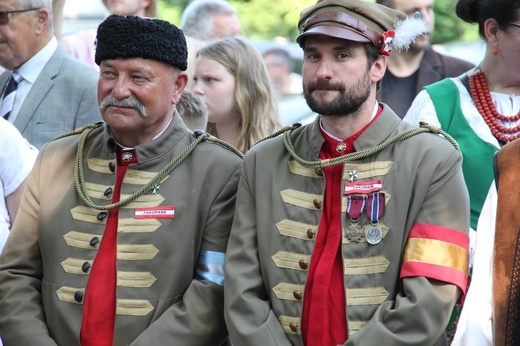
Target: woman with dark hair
{"x":481,"y":110}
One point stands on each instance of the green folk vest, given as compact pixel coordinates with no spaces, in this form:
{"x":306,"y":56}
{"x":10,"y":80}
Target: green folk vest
{"x":477,"y":164}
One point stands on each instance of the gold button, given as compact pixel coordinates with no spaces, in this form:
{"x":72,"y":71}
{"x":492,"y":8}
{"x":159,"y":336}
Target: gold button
{"x":304,"y":265}
{"x":293,"y":326}
{"x":317,"y":204}
{"x":319,"y":172}
{"x":310,"y":233}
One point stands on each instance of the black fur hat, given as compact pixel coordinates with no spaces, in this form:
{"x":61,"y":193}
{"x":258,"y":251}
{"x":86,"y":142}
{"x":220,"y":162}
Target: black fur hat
{"x":138,"y":37}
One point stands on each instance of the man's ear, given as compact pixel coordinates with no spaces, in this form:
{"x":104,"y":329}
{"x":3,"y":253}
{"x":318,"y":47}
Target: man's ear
{"x":42,"y":23}
{"x":179,"y":86}
{"x":378,"y":68}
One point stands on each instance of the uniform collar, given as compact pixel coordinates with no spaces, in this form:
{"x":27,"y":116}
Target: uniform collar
{"x":175,"y":133}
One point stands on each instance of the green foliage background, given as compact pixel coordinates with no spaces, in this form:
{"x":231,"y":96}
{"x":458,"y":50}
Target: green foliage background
{"x":269,"y":19}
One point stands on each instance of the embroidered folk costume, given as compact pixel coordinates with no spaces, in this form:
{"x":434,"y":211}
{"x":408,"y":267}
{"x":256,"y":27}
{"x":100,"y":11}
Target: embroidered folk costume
{"x":481,"y":122}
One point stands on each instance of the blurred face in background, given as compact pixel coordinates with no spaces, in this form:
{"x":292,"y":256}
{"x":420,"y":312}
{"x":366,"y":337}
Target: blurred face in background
{"x":22,"y":36}
{"x":225,"y":25}
{"x":425,"y":8}
{"x":127,"y":7}
{"x":276,"y":69}
{"x":216,"y":86}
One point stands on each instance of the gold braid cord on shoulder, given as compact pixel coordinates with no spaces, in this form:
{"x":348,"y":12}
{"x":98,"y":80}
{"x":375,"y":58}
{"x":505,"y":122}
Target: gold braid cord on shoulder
{"x":79,"y":177}
{"x":364,"y":153}
{"x":80,"y":130}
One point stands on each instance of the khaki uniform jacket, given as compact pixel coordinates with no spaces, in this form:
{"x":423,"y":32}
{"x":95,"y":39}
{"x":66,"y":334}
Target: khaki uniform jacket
{"x":277,"y":216}
{"x":163,"y":294}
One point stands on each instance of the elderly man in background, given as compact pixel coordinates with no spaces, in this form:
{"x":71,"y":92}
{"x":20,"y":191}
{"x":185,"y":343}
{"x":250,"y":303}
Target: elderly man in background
{"x":45,"y":92}
{"x":121,"y":236}
{"x":210,"y":20}
{"x":280,"y":67}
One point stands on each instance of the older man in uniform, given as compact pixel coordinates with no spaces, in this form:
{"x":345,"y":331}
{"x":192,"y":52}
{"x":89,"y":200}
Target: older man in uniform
{"x":121,"y":234}
{"x":351,"y":230}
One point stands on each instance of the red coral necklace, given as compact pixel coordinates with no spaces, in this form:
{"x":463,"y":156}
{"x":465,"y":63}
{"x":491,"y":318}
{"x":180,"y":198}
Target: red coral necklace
{"x":482,"y":97}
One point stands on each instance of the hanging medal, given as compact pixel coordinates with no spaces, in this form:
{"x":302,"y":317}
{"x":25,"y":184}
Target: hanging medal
{"x":355,"y":207}
{"x":375,"y":209}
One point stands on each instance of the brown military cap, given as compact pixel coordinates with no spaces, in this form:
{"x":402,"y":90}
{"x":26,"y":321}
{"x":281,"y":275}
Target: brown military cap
{"x":354,"y":20}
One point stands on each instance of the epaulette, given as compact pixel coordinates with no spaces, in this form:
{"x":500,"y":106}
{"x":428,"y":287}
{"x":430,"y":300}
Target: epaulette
{"x":281,"y":131}
{"x":438,"y":131}
{"x":202,"y":135}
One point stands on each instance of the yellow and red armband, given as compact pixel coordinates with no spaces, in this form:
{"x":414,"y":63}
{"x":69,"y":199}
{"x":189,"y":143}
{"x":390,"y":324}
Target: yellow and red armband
{"x":438,"y":253}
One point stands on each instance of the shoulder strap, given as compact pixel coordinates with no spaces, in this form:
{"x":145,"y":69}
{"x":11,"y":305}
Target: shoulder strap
{"x":79,"y":130}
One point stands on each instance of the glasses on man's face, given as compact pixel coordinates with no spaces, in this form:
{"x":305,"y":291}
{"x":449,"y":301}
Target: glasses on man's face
{"x":5,"y":16}
{"x":514,"y":24}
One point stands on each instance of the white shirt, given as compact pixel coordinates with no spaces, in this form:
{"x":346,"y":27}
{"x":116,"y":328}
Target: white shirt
{"x":475,"y":325}
{"x":17,"y":158}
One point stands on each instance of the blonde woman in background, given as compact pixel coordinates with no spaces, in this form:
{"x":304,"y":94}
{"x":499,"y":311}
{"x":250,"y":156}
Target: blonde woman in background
{"x":231,"y":77}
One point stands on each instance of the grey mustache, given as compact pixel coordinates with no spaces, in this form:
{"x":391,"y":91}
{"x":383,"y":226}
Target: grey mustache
{"x":129,"y":102}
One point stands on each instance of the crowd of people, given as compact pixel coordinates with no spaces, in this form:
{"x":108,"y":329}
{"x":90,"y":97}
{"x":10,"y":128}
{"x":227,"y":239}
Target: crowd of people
{"x":152,"y":195}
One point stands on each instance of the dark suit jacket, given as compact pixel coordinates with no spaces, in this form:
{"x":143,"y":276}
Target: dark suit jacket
{"x":63,"y":98}
{"x":434,"y":67}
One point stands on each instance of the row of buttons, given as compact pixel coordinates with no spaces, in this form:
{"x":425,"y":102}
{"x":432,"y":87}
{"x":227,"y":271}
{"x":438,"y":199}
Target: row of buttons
{"x":85,"y":267}
{"x":78,"y":295}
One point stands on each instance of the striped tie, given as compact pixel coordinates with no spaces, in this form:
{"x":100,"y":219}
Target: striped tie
{"x":9,"y":94}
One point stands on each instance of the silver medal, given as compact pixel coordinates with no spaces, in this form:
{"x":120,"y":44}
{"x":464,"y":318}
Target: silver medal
{"x":374,"y":235}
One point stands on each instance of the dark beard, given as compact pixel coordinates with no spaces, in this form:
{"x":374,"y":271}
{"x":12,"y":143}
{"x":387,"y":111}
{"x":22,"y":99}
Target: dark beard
{"x":348,"y":102}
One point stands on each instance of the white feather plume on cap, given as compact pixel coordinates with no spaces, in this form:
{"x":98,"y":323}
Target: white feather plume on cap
{"x":406,"y":31}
